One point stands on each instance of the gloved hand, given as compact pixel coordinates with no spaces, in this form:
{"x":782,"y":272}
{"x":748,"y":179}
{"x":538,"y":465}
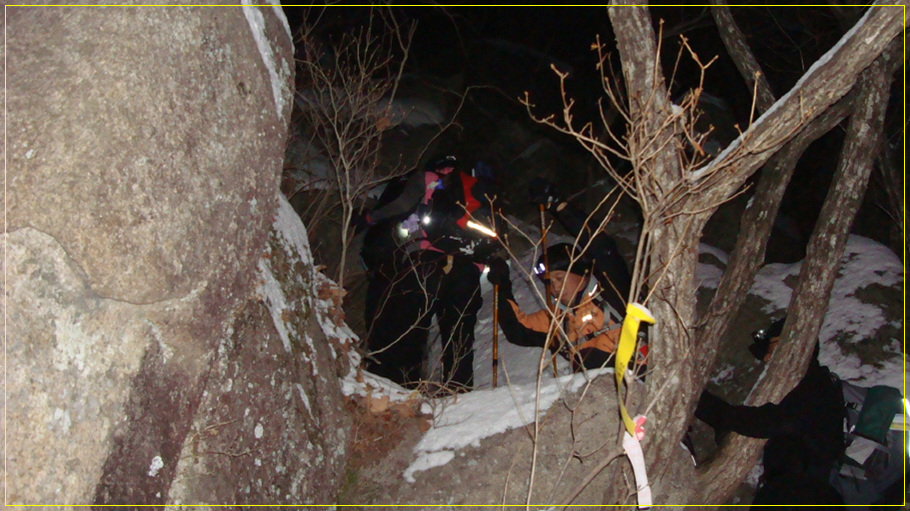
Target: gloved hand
{"x":499,"y":272}
{"x":543,"y":192}
{"x":712,"y":410}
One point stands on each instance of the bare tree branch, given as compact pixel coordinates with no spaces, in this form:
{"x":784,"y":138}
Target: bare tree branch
{"x":736,"y":45}
{"x":829,"y":79}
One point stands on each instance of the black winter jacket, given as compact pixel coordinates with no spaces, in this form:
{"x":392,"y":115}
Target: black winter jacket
{"x":804,"y":432}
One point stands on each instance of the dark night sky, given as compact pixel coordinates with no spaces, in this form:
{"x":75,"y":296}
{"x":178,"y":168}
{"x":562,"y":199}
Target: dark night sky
{"x":511,"y":48}
{"x":473,"y":40}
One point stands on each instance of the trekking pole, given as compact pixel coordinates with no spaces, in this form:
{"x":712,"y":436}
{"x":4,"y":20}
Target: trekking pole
{"x":495,"y":333}
{"x":546,"y":276}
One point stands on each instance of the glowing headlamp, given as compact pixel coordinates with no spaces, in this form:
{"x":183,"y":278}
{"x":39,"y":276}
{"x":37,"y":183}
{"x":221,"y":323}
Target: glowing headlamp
{"x":481,"y":229}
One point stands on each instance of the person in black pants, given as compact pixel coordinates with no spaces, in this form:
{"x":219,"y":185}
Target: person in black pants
{"x":430,"y":284}
{"x":422,"y":261}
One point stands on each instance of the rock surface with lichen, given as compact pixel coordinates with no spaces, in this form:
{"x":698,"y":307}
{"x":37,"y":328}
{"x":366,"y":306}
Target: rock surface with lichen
{"x":144,"y":361}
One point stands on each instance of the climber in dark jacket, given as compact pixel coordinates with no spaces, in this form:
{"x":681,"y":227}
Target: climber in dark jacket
{"x":805,"y":431}
{"x":829,"y":442}
{"x":422,"y":258}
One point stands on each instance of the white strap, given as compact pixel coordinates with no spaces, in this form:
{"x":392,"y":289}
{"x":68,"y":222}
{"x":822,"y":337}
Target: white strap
{"x":632,"y":448}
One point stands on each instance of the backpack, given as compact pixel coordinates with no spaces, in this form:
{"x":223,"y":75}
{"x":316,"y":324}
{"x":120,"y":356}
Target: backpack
{"x":392,"y":190}
{"x":874,"y":451}
{"x":456,"y":211}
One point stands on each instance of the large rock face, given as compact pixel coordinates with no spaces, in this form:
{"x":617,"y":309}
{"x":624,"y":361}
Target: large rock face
{"x":270,"y":428}
{"x":144,"y":153}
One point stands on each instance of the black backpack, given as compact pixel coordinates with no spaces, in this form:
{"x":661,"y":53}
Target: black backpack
{"x":452,"y":208}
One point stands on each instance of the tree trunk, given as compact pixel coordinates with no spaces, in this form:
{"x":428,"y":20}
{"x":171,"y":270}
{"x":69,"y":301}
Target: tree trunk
{"x":735,"y":43}
{"x":758,"y":219}
{"x":755,"y":229}
{"x":672,"y":253}
{"x":676,"y":202}
{"x":672,"y":245}
{"x":817,"y":274}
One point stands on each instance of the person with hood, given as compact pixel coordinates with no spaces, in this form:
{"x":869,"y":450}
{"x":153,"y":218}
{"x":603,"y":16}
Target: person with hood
{"x":807,"y":443}
{"x":422,"y":253}
{"x":589,"y":288}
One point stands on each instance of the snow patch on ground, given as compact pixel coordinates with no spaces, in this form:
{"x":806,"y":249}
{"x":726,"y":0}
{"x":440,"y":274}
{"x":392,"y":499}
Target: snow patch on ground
{"x":368,"y":384}
{"x":849,"y":319}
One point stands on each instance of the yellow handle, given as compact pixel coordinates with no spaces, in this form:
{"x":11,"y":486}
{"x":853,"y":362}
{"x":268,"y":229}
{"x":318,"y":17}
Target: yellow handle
{"x":635,"y":314}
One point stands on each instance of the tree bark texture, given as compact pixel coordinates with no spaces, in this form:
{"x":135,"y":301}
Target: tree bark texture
{"x":817,"y":274}
{"x":735,"y":43}
{"x":829,"y":79}
{"x":673,"y":251}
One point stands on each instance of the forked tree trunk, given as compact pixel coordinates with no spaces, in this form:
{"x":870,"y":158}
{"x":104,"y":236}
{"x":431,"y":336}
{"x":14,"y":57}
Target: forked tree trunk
{"x":818,"y":272}
{"x":674,"y":384}
{"x":672,"y":261}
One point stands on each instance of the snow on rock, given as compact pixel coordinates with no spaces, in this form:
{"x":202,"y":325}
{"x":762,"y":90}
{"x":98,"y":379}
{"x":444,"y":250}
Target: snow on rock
{"x":291,"y":229}
{"x":369,"y":385}
{"x":270,"y":290}
{"x":325,"y":306}
{"x":277,"y":68}
{"x":709,"y":274}
{"x":849,"y":320}
{"x":326,"y":301}
{"x":484,"y":413}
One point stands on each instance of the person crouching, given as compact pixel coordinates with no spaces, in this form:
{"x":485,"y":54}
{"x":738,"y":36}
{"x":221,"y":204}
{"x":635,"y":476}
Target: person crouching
{"x":587,"y":326}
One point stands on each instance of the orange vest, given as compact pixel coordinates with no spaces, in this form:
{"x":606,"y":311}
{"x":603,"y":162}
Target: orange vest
{"x":583,"y":326}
